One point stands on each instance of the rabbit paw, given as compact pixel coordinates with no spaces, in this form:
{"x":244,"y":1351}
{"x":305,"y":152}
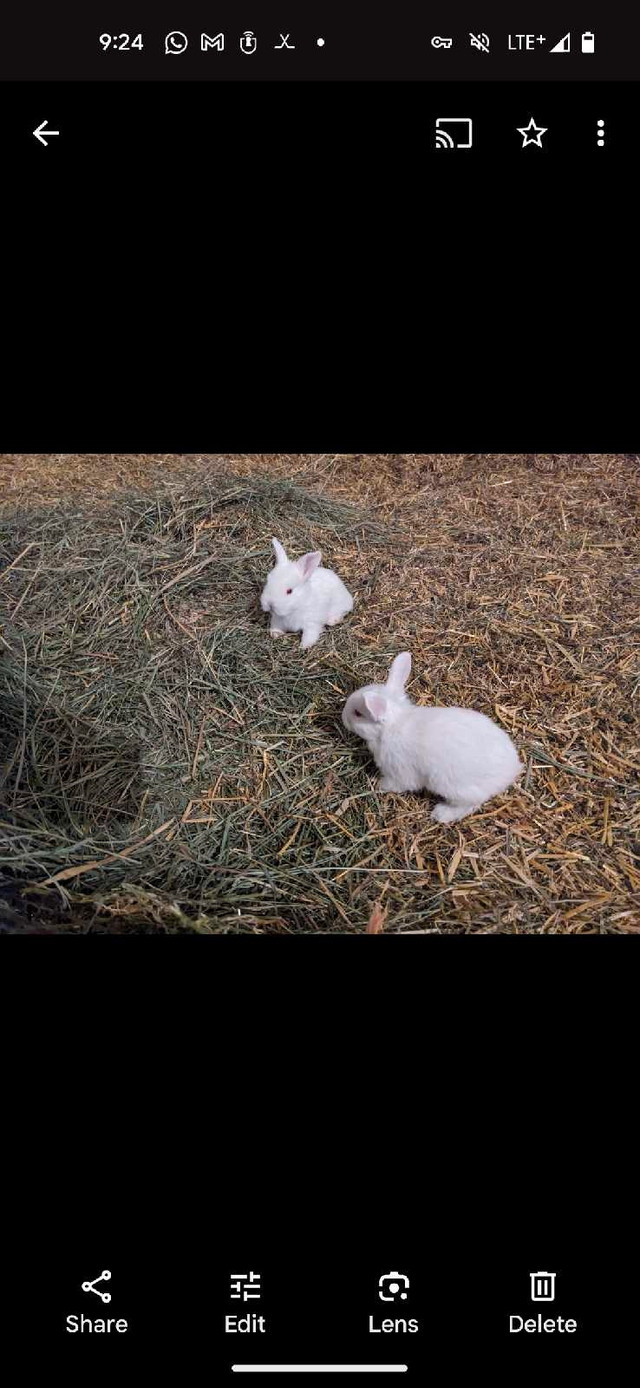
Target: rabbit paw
{"x":387,"y":784}
{"x":309,"y":637}
{"x":448,"y":814}
{"x":276,"y":631}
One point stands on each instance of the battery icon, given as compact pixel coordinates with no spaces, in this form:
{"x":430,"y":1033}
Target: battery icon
{"x":588,"y":42}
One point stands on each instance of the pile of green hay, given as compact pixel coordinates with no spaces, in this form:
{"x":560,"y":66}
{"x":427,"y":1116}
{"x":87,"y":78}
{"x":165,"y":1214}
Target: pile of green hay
{"x":165,"y":761}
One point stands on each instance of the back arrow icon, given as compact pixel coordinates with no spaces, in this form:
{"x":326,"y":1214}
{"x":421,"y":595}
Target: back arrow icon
{"x":41,"y":132}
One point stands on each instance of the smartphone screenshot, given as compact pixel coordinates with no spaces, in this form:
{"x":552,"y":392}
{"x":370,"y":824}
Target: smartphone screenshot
{"x":319,"y":620}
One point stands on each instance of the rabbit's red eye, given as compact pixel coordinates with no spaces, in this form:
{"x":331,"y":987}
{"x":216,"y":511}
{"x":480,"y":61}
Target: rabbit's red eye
{"x":289,"y":590}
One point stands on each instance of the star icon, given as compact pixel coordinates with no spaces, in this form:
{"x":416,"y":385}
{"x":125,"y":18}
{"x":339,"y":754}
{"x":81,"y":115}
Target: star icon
{"x":532,"y":133}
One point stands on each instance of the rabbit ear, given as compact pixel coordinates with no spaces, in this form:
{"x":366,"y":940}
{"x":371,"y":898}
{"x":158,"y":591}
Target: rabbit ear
{"x":309,"y":563}
{"x":400,"y":670}
{"x":280,"y":553}
{"x":376,"y":706}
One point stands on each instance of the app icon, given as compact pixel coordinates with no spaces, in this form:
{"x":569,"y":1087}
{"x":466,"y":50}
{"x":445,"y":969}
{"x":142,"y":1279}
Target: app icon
{"x":245,"y":1286}
{"x":248,"y":42}
{"x":459,"y":136}
{"x":216,"y":42}
{"x":532,"y":133}
{"x":393,"y":1286}
{"x":175,"y":42}
{"x":91,"y":1287}
{"x":43,"y":129}
{"x":543,"y":1286}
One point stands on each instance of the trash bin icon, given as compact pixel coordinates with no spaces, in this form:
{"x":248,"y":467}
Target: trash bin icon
{"x":543,"y":1286}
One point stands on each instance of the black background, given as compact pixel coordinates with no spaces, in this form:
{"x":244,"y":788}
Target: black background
{"x":317,"y":1299}
{"x":323,"y":1114}
{"x":297,"y":268}
{"x":301,"y":271}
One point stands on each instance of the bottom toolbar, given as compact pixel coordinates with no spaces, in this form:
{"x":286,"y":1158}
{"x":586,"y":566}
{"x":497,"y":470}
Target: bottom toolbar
{"x":327,"y":1311}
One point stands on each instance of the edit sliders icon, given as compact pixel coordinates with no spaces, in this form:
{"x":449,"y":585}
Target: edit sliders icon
{"x":245,"y":1286}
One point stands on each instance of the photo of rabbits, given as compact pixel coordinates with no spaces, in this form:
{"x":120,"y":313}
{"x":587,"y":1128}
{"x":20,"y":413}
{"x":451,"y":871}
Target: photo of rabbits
{"x":287,"y":694}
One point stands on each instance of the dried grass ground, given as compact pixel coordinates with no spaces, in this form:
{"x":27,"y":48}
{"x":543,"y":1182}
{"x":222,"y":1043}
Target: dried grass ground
{"x":150,"y":721}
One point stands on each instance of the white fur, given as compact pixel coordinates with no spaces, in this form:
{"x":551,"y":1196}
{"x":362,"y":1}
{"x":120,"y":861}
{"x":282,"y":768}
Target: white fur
{"x":455,"y":753}
{"x":318,"y":598}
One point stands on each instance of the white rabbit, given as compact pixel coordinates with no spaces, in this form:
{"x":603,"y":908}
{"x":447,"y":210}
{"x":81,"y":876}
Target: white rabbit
{"x":456,"y":753}
{"x":303,"y":597}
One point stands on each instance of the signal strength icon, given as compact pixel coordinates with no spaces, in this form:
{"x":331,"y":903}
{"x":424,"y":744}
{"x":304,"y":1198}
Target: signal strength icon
{"x":563,"y":45}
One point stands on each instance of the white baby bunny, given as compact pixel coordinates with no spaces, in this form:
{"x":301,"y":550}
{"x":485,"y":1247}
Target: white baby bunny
{"x":456,"y":753}
{"x":303,"y":597}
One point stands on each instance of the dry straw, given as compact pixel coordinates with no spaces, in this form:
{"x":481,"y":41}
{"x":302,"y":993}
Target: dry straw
{"x":166,"y":766}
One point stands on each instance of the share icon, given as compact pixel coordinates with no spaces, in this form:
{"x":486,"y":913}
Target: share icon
{"x":91,"y":1287}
